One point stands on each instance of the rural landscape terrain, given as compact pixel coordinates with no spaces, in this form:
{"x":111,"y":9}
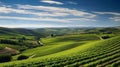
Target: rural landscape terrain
{"x":59,"y":33}
{"x":60,"y":47}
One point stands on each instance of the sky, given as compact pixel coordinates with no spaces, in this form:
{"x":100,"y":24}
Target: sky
{"x":59,"y":13}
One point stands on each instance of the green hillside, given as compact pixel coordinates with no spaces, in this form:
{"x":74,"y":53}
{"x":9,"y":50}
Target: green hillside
{"x":74,"y":38}
{"x":43,"y":32}
{"x":87,"y":54}
{"x":57,"y":44}
{"x":87,"y":30}
{"x":17,"y":31}
{"x":17,"y":47}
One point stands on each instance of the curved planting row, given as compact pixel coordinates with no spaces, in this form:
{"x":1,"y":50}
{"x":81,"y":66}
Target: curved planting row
{"x":88,"y":55}
{"x":116,"y":64}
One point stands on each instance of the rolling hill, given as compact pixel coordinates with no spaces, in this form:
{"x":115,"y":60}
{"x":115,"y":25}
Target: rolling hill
{"x":17,"y":31}
{"x":87,"y":30}
{"x":91,"y":52}
{"x":58,"y":44}
{"x":43,"y":32}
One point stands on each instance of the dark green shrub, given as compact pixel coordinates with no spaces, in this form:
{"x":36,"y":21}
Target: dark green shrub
{"x":21,"y":57}
{"x":5,"y":58}
{"x":21,"y":39}
{"x":105,"y":37}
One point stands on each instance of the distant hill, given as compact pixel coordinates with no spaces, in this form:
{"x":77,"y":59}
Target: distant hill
{"x":118,"y":27}
{"x":58,"y":31}
{"x":106,"y":30}
{"x":17,"y":31}
{"x":89,"y":30}
{"x":110,"y":30}
{"x":25,"y":31}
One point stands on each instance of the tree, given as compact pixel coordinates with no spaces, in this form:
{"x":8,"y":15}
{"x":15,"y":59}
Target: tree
{"x":22,"y":39}
{"x":52,"y":35}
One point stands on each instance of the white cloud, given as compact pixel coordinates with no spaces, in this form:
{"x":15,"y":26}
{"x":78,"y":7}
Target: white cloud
{"x":81,"y":19}
{"x":115,"y":16}
{"x":74,"y":3}
{"x":11,"y":10}
{"x":52,"y":2}
{"x":117,"y":19}
{"x":110,"y":13}
{"x":45,"y":19}
{"x":58,"y":10}
{"x":32,"y":25}
{"x":46,"y":13}
{"x":34,"y":19}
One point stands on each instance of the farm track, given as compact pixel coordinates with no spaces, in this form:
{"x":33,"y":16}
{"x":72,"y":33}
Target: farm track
{"x":9,"y":50}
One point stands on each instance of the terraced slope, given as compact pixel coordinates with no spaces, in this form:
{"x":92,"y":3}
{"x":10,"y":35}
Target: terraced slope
{"x":98,"y":53}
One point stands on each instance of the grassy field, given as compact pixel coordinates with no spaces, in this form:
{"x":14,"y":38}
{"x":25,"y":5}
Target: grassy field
{"x":58,"y":44}
{"x":72,"y":51}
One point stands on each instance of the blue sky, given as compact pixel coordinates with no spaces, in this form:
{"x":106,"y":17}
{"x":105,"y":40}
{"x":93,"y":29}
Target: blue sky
{"x":59,"y":13}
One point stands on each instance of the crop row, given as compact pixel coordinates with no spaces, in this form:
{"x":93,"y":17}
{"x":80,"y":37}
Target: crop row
{"x":101,"y":53}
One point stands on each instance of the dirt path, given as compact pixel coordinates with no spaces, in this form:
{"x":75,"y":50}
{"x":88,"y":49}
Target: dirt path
{"x":9,"y":50}
{"x":32,"y":56}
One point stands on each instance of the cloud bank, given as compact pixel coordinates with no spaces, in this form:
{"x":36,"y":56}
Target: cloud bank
{"x":115,"y":16}
{"x":51,"y":2}
{"x":46,"y":13}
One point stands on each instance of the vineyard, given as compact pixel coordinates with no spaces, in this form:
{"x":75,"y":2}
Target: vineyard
{"x":54,"y":45}
{"x":59,"y":33}
{"x":82,"y":51}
